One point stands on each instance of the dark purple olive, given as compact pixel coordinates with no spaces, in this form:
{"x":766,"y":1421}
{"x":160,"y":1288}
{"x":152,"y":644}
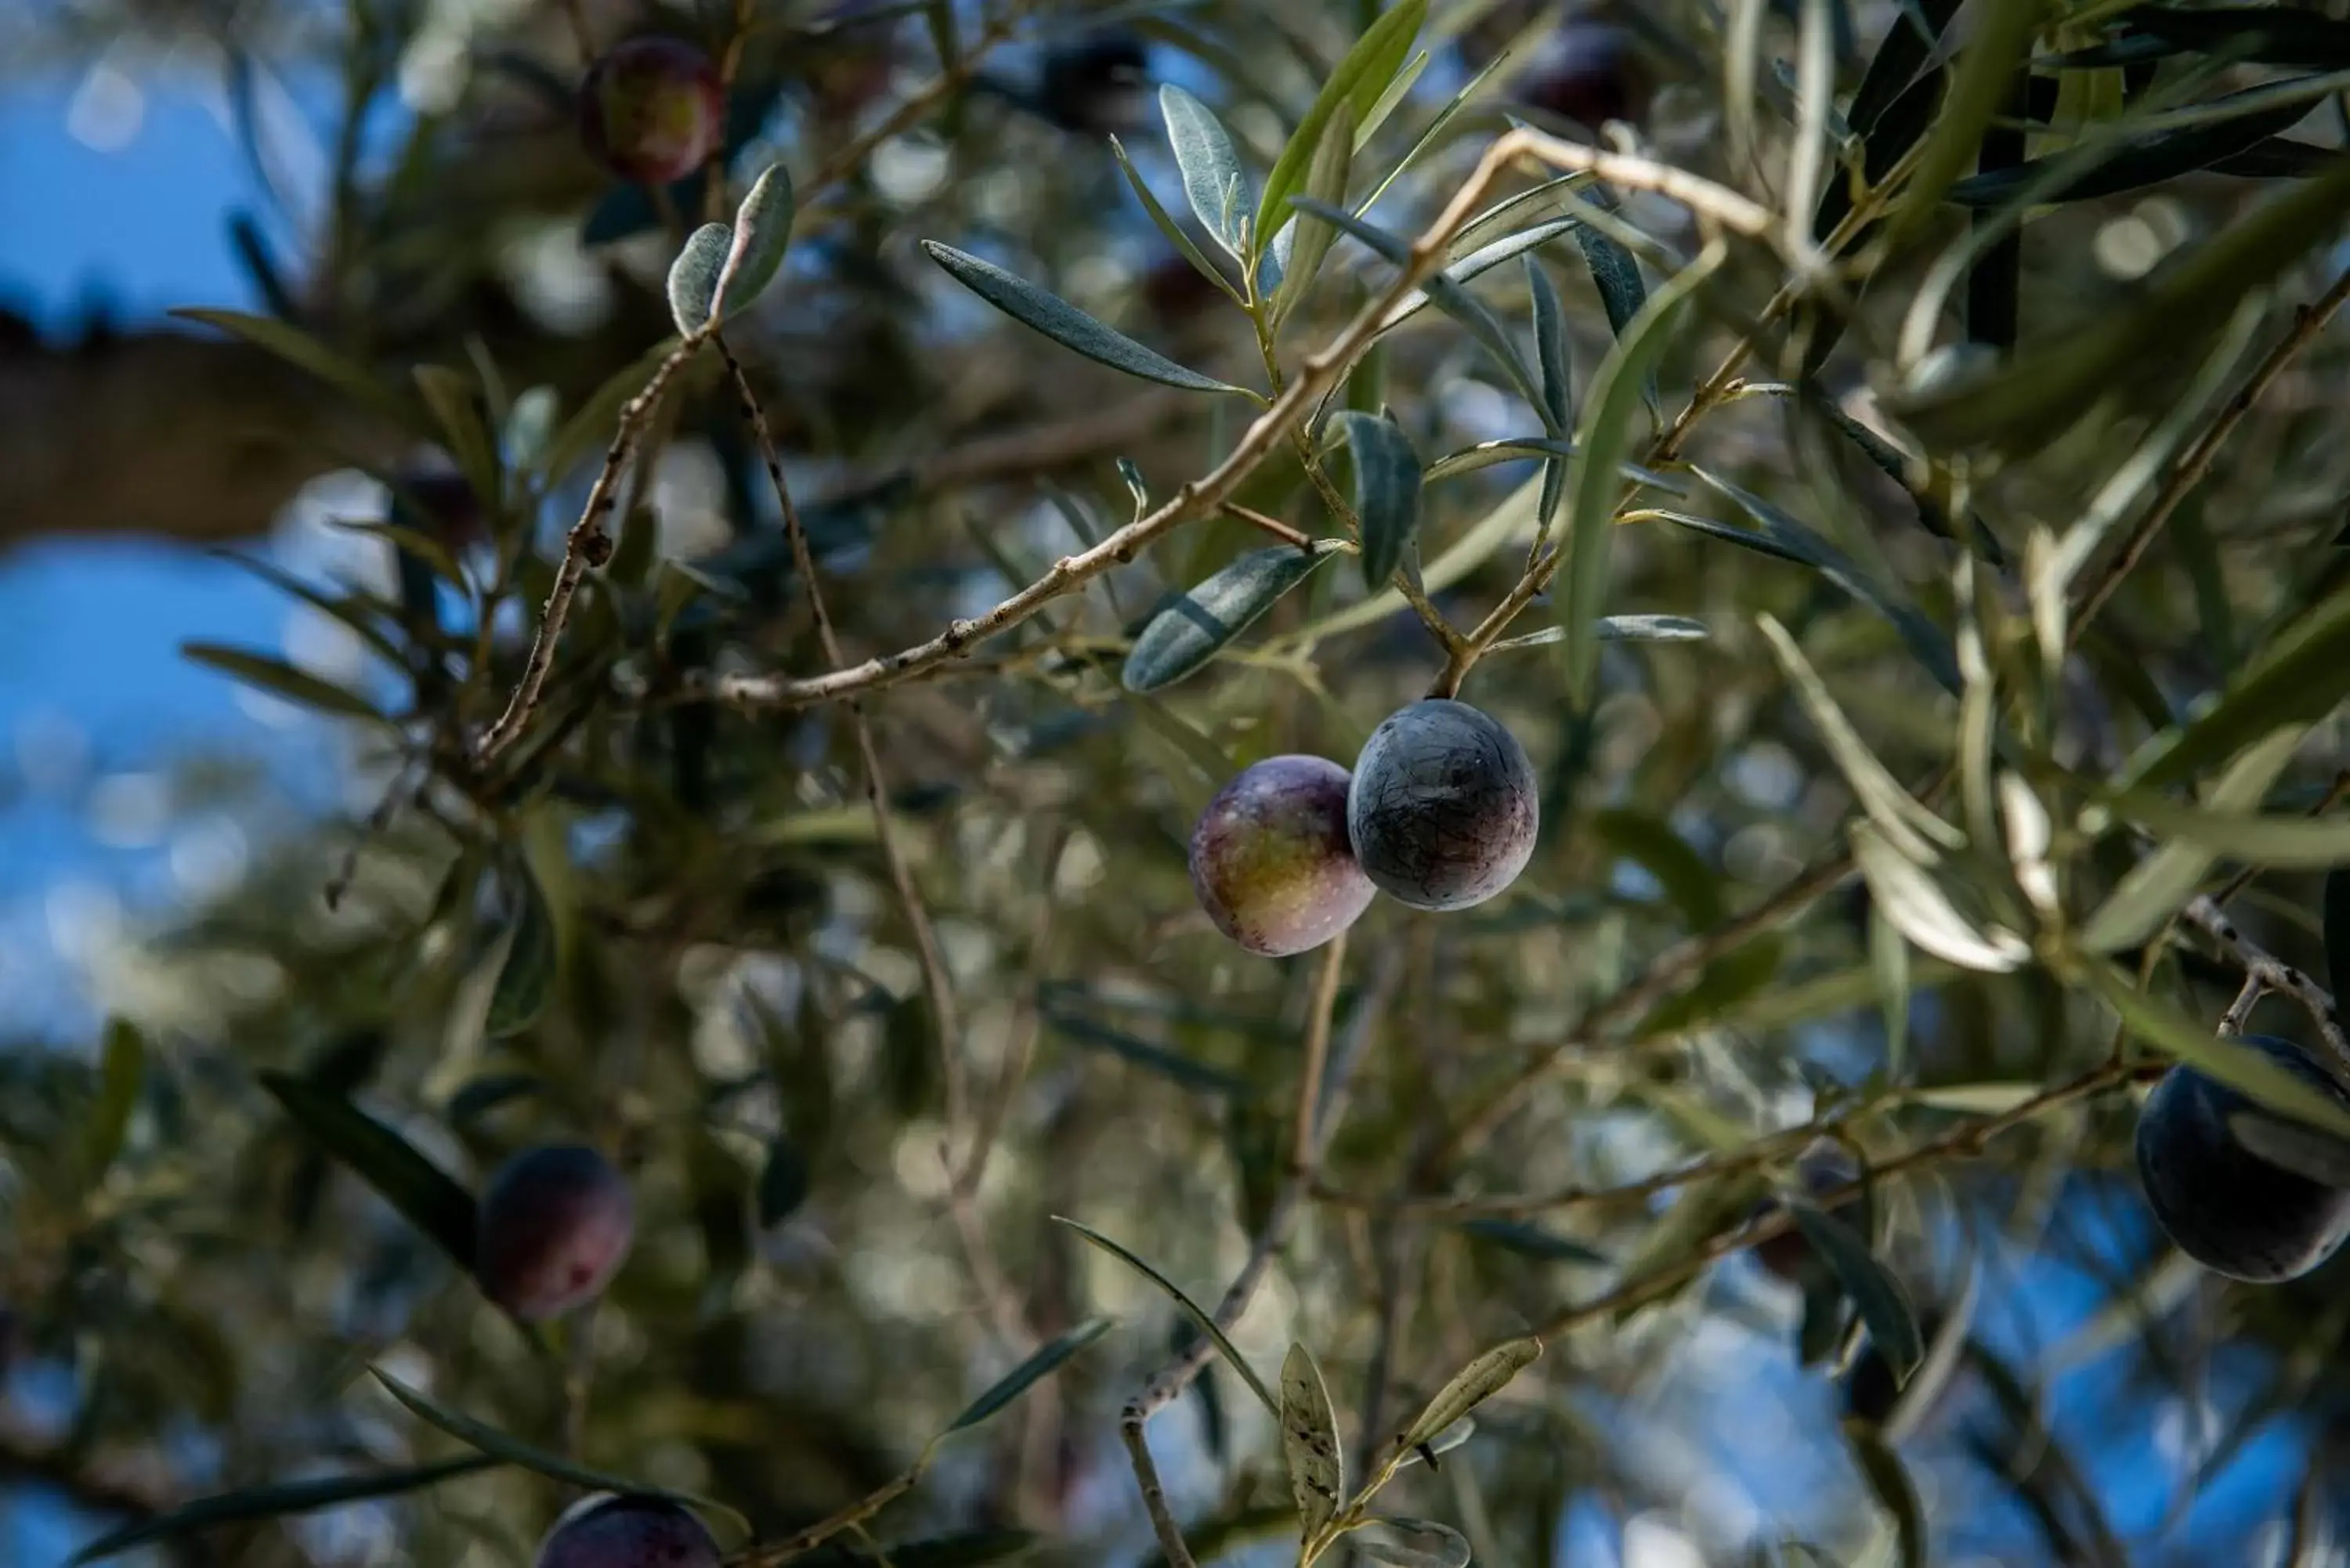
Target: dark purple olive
{"x":610,"y":1530}
{"x":554,"y":1227}
{"x":1590,"y":73}
{"x":2228,"y":1208}
{"x":1442,"y":814}
{"x":1823,"y":1167}
{"x":1095,"y":85}
{"x":652,"y":109}
{"x":1270,"y":860}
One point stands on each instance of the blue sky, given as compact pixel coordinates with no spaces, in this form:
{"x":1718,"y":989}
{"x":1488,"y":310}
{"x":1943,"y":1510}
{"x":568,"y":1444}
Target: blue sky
{"x":116,"y":194}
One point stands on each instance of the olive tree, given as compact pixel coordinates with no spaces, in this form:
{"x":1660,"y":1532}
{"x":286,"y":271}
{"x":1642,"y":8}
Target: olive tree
{"x":1307,"y":780}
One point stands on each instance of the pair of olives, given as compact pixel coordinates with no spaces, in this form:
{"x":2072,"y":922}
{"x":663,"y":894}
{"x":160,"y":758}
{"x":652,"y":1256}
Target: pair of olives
{"x":1440,"y":813}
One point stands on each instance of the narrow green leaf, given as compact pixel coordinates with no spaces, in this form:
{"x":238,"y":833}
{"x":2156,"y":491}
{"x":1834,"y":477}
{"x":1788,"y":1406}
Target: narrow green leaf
{"x":1649,"y":842}
{"x":1048,"y":1359}
{"x":250,"y":1505}
{"x":1883,"y":1304}
{"x":2029,"y":400}
{"x":1184,"y":638}
{"x":2263,"y":35}
{"x":364,"y":615}
{"x":694,"y":275}
{"x":1904,"y":471}
{"x":1795,"y":542}
{"x":782,"y":1183}
{"x":1889,"y":962}
{"x":762,"y":233}
{"x":1908,"y":824}
{"x":2299,"y":678}
{"x":2293,"y":1147}
{"x":2242,"y":1067}
{"x":1310,"y":237}
{"x":122,"y":1069}
{"x":1553,"y":355}
{"x":971,"y":1549}
{"x":1921,"y":910}
{"x":279,"y":679}
{"x":1309,"y":1445}
{"x":1469,"y":92}
{"x":426,"y":1195}
{"x":1191,"y":1309}
{"x":301,"y":349}
{"x":2133,"y":164}
{"x":1064,"y":324}
{"x":1533,"y":1242}
{"x":1475,"y":265}
{"x":1410,"y":1543}
{"x":1386,"y":491}
{"x":2157,"y":885}
{"x":487,"y":1439}
{"x":1360,"y":81}
{"x":1177,"y":234}
{"x":1615,"y":274}
{"x":1443,"y":290}
{"x":1195,"y":1075}
{"x":2337,"y":907}
{"x":2000,"y":39}
{"x":1601,"y":442}
{"x":2282,"y":843}
{"x":527,"y":970}
{"x":591,"y":424}
{"x":1214,"y":181}
{"x":448,"y":395}
{"x":1471,"y":1386}
{"x":1889,"y":1482}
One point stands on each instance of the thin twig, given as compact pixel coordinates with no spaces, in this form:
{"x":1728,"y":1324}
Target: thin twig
{"x":1968,"y":1140}
{"x":1319,"y":373}
{"x":936,"y":982}
{"x":2308,"y":323}
{"x":2271,"y":974}
{"x":588,"y":545}
{"x":1171,"y":1380}
{"x":1273,"y":525}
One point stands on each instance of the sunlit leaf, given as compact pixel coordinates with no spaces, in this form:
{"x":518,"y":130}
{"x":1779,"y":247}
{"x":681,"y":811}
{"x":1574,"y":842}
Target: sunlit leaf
{"x":1214,"y":181}
{"x":1602,"y":441}
{"x":694,"y":277}
{"x":1309,"y":1444}
{"x":2157,"y":885}
{"x":1471,"y":1386}
{"x":1360,"y":81}
{"x":1921,"y":910}
{"x":761,"y":234}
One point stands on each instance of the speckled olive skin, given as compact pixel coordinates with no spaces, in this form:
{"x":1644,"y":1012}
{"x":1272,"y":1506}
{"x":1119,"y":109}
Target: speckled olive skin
{"x":1590,"y":73}
{"x":1442,"y":814}
{"x":554,"y":1225}
{"x":608,"y":1531}
{"x":1270,"y":860}
{"x":2225,"y":1207}
{"x":652,"y":109}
